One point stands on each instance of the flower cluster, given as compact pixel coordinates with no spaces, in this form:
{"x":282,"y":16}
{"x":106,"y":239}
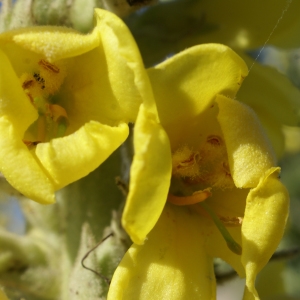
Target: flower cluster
{"x":204,"y":180}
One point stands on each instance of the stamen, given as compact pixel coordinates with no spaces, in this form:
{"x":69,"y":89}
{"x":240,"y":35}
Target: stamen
{"x":185,"y":162}
{"x":27,"y":84}
{"x":51,"y":76}
{"x":231,"y":243}
{"x":48,"y":66}
{"x":197,"y":197}
{"x":188,"y":162}
{"x":214,"y":140}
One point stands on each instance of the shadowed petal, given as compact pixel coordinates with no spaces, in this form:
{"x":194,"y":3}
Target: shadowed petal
{"x":20,"y":168}
{"x":65,"y":42}
{"x":172,"y":264}
{"x":249,"y":151}
{"x":263,"y":226}
{"x":185,"y":86}
{"x":72,"y":157}
{"x":149,"y":177}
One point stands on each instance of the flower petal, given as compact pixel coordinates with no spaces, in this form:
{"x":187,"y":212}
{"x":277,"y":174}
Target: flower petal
{"x":216,"y":246}
{"x":52,"y":42}
{"x":16,"y":114}
{"x":172,"y":264}
{"x":186,"y":84}
{"x":263,"y":226}
{"x":249,"y":152}
{"x":14,"y":104}
{"x":20,"y":168}
{"x":72,"y":157}
{"x":125,"y":69}
{"x":149,"y":177}
{"x":229,"y":206}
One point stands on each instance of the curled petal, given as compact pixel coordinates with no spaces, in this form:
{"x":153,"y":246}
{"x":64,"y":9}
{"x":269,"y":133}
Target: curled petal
{"x":17,"y":164}
{"x":20,"y":168}
{"x":14,"y":104}
{"x":65,"y":42}
{"x":149,"y":177}
{"x":125,"y":68}
{"x":72,"y":157}
{"x":249,"y":152}
{"x":263,"y":226}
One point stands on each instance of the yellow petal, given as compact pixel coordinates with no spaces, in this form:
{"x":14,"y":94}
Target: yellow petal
{"x":51,"y":42}
{"x":263,"y":226}
{"x":149,"y":177}
{"x":172,"y":264}
{"x":17,"y":164}
{"x":229,"y":206}
{"x":125,"y":69}
{"x":186,"y":84}
{"x":217,"y":247}
{"x":14,"y":104}
{"x":249,"y":152}
{"x":20,"y":168}
{"x":72,"y":157}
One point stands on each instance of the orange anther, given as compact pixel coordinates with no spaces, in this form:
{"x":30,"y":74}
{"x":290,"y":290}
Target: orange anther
{"x":197,"y":197}
{"x":48,"y":66}
{"x":214,"y":140}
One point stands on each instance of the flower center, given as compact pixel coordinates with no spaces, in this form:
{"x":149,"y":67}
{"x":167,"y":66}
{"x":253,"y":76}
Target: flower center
{"x":40,"y":86}
{"x":196,"y":173}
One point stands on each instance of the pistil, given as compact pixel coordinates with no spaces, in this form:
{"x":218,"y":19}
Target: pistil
{"x":231,"y":243}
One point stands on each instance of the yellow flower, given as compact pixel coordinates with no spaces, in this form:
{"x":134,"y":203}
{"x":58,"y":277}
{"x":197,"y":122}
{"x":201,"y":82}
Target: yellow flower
{"x":241,"y":25}
{"x":65,"y":101}
{"x":207,"y":154}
